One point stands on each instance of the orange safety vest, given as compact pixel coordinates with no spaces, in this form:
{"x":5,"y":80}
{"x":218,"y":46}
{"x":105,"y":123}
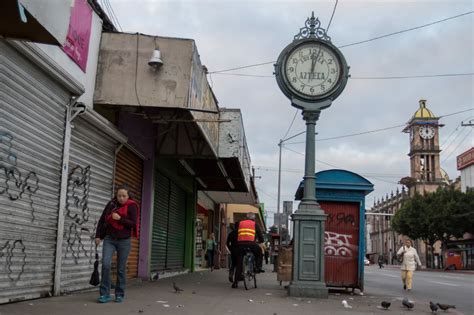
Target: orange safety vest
{"x":246,"y":231}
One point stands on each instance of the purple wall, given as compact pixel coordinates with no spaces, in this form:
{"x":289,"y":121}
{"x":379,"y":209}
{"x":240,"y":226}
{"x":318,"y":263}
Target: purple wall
{"x":141,"y":134}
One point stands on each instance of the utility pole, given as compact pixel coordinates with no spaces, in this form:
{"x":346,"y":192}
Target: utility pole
{"x":280,"y":145}
{"x":279,"y":190}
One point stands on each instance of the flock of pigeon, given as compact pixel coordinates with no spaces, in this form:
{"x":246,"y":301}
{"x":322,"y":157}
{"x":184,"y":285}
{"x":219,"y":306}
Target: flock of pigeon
{"x":409,"y":305}
{"x":434,"y":307}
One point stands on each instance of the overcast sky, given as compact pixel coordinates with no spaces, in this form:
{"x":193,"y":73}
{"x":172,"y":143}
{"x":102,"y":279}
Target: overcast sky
{"x":231,"y":34}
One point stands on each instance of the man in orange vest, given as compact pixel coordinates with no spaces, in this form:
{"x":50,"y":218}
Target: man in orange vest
{"x":247,"y":234}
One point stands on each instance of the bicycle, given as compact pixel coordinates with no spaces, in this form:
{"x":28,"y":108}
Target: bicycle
{"x":248,"y":269}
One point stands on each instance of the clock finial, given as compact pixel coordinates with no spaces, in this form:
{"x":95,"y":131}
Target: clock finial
{"x":312,"y":29}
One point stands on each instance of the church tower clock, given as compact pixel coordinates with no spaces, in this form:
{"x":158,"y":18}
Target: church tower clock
{"x":425,"y":170}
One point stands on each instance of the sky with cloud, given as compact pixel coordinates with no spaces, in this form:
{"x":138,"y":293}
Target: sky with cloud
{"x":232,"y":34}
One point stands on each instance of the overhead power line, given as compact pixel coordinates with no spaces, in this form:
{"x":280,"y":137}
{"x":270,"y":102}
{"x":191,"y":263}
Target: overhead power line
{"x":243,"y":67}
{"x":291,"y":125}
{"x":353,"y":134}
{"x":357,"y":43}
{"x":414,"y":76}
{"x":418,"y":76}
{"x":338,"y":167}
{"x":448,"y":137}
{"x":332,"y":15}
{"x":375,"y":130}
{"x":407,"y":30}
{"x":459,"y":144}
{"x":299,"y":171}
{"x":113,"y":17}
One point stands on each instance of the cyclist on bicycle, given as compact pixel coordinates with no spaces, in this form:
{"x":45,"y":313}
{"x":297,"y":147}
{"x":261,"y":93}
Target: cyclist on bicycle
{"x":247,"y":234}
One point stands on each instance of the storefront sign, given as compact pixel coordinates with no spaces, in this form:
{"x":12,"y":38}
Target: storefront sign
{"x":77,"y":39}
{"x":465,"y":159}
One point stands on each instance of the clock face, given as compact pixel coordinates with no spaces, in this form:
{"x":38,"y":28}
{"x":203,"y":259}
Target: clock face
{"x":427,"y":132}
{"x":312,"y":70}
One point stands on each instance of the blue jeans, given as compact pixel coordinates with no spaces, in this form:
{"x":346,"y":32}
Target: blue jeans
{"x":210,"y":258}
{"x":122,"y":247}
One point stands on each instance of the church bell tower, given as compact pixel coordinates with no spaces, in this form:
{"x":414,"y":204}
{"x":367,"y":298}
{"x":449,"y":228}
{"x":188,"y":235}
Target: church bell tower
{"x":425,"y":170}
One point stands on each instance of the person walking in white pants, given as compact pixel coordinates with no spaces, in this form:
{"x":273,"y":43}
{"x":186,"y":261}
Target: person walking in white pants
{"x":410,"y":260}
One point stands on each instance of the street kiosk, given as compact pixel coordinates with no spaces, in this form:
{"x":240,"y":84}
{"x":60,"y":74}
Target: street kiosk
{"x":341,"y":194}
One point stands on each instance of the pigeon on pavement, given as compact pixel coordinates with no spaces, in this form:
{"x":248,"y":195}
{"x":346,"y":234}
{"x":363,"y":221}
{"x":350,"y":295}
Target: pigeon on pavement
{"x":445,"y":307}
{"x":433,"y":307}
{"x":385,"y":305}
{"x":176,"y":288}
{"x":408,"y":304}
{"x":346,"y":305}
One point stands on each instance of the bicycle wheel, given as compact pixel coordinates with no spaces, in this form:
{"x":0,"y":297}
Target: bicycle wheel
{"x":245,"y":272}
{"x":253,"y":273}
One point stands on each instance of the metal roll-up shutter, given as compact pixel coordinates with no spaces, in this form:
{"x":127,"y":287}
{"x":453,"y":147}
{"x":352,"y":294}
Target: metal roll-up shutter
{"x":129,"y":172}
{"x":89,"y":190}
{"x":169,"y":226}
{"x":32,"y":122}
{"x":176,"y":228}
{"x":160,"y":223}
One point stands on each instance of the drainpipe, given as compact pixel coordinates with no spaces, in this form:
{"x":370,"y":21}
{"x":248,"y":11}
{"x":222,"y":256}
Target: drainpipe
{"x":73,"y":110}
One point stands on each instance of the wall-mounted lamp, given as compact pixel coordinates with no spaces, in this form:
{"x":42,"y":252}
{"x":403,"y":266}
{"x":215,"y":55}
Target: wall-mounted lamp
{"x":155,"y":60}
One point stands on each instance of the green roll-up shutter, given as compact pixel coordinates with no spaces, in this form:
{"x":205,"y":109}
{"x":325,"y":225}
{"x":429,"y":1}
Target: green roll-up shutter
{"x":169,"y":226}
{"x":160,"y":223}
{"x":176,"y":230}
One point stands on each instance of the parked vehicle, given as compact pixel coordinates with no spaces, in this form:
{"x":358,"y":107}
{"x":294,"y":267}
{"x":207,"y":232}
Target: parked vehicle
{"x":366,"y":262}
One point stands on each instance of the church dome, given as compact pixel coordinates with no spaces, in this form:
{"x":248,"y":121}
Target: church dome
{"x":444,"y":176}
{"x":423,"y":112}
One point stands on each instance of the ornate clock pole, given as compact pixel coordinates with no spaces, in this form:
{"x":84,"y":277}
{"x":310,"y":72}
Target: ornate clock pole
{"x":311,"y":72}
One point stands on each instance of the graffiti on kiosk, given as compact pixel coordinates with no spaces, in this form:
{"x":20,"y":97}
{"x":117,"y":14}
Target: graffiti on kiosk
{"x":13,"y":183}
{"x":340,"y":218}
{"x":336,"y":244}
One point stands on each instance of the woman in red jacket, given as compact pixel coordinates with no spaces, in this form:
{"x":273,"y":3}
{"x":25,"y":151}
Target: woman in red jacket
{"x":119,"y":221}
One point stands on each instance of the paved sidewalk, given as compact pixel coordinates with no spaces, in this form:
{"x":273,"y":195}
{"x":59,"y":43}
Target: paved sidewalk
{"x":209,"y":293}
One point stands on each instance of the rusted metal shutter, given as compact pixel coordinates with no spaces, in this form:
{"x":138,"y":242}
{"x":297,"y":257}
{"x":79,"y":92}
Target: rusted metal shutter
{"x":341,"y":246}
{"x":129,"y":172}
{"x":32,"y":120}
{"x":89,"y":189}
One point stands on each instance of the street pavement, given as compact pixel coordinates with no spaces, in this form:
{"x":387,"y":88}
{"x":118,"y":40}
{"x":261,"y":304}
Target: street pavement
{"x":210,"y":293}
{"x":444,"y":287}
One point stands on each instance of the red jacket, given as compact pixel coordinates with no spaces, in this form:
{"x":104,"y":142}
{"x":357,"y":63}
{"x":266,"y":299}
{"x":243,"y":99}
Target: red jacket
{"x":123,"y":212}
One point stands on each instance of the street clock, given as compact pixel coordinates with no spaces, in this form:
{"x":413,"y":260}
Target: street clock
{"x":311,"y":69}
